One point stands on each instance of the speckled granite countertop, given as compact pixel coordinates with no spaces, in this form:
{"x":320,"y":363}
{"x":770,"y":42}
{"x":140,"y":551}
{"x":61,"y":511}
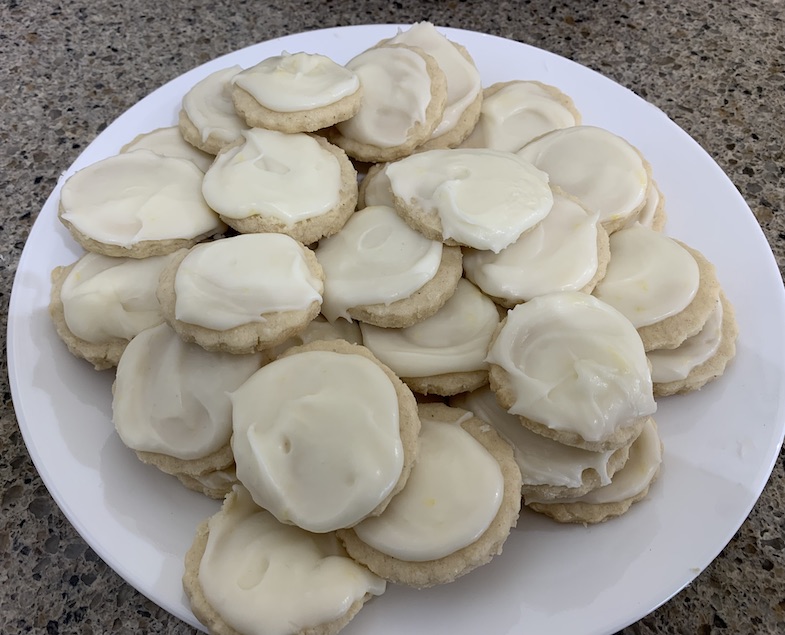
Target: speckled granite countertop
{"x":68,"y":69}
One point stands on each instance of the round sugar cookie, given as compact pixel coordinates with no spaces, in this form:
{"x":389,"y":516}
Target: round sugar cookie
{"x":98,"y":304}
{"x":574,"y":369}
{"x":722,"y":343}
{"x":374,"y":189}
{"x":380,"y":271}
{"x":629,"y":485}
{"x":334,"y":407}
{"x":299,"y":92}
{"x":464,"y":86}
{"x":445,"y":353}
{"x":170,"y":401}
{"x":516,"y":112}
{"x":137,"y":205}
{"x":169,"y":142}
{"x":296,"y":184}
{"x":301,"y":583}
{"x":404,"y":95}
{"x":652,"y":214}
{"x":441,"y":495}
{"x":208,"y":119}
{"x":213,"y":295}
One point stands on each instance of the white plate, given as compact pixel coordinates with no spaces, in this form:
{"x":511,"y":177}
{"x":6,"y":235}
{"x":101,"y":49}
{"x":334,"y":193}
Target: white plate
{"x":720,"y":444}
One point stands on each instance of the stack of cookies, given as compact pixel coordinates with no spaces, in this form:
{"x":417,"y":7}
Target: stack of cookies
{"x":376,"y":377}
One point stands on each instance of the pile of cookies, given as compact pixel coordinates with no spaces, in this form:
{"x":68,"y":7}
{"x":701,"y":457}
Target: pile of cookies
{"x":376,"y":377}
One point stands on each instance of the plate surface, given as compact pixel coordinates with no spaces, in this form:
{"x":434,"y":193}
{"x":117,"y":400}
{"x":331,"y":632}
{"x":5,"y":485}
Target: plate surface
{"x":720,"y":443}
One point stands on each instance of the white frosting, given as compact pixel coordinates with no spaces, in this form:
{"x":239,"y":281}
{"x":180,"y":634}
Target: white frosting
{"x":288,"y":177}
{"x":106,"y":298}
{"x":376,"y":258}
{"x":377,"y":190}
{"x":559,"y":254}
{"x":675,"y":364}
{"x":650,"y":277}
{"x":210,"y":108}
{"x":542,"y":461}
{"x":455,"y":339}
{"x":463,"y":78}
{"x":138,"y":196}
{"x":636,"y":475}
{"x":297,"y":82}
{"x":320,"y":329}
{"x":217,"y":479}
{"x":575,"y":364}
{"x":598,"y":167}
{"x":172,"y":397}
{"x":484,"y":198}
{"x":396,"y":94}
{"x":168,"y":142}
{"x":265,"y":578}
{"x":327,"y":449}
{"x":649,"y":210}
{"x":218,"y":284}
{"x":517,"y":113}
{"x":453,"y":494}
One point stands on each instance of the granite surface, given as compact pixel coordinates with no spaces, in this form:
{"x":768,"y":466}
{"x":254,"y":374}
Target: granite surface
{"x":67,"y":69}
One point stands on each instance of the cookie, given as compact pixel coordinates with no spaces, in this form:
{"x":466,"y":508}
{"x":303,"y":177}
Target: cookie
{"x":247,"y":573}
{"x":567,"y":251}
{"x":464,"y":87}
{"x":208,"y":119}
{"x":456,"y":511}
{"x":700,"y":358}
{"x":170,"y":401}
{"x":335,"y":408}
{"x":374,"y":189}
{"x":404,"y":95}
{"x":98,"y":304}
{"x":516,"y":112}
{"x":381,"y":271}
{"x":665,"y":288}
{"x":445,"y":353}
{"x":295,"y":184}
{"x":652,"y":214}
{"x":137,"y":205}
{"x":300,"y":92}
{"x":602,"y":170}
{"x":216,"y":484}
{"x":629,"y":485}
{"x":574,"y":369}
{"x":213,"y":295}
{"x":474,"y":197}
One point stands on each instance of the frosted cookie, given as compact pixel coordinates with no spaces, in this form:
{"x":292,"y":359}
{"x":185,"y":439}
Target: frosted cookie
{"x":216,"y":484}
{"x":567,"y":251}
{"x":629,"y":485}
{"x":300,"y":92}
{"x":404,"y":94}
{"x":666,"y":289}
{"x":247,"y":573}
{"x":464,"y":87}
{"x":137,"y":205}
{"x":602,"y":170}
{"x":98,"y":304}
{"x":698,"y":359}
{"x":514,"y":113}
{"x":214,"y":295}
{"x":456,"y":510}
{"x":171,"y":403}
{"x":549,"y":469}
{"x":381,"y":271}
{"x":208,"y":120}
{"x":477,"y":198}
{"x":168,"y":142}
{"x":574,"y":369}
{"x":374,"y":189}
{"x":324,"y":436}
{"x":652,"y":214}
{"x":295,"y":184}
{"x":444,"y":354}
{"x":319,"y":329}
